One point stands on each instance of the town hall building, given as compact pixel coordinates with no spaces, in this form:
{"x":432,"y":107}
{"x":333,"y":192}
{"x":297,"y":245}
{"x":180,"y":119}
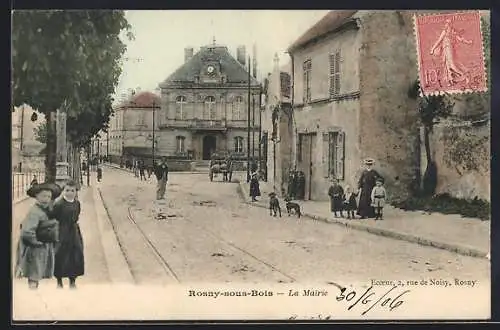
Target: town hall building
{"x":204,"y":106}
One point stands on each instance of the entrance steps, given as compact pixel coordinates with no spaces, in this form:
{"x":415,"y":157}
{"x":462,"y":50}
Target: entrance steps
{"x":201,"y":165}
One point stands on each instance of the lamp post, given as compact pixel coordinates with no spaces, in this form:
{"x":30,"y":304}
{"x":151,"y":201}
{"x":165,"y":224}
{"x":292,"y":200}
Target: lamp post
{"x":248,"y":123}
{"x":107,"y":145}
{"x":154,"y":126}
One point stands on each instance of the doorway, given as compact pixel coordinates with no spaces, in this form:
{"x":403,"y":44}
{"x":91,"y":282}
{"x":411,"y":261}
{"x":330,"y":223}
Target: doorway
{"x":209,"y":146}
{"x":306,"y":162}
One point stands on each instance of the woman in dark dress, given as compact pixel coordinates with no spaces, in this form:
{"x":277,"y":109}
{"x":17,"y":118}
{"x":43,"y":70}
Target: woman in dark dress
{"x":254,"y":187}
{"x":69,"y":260}
{"x":366,"y":184}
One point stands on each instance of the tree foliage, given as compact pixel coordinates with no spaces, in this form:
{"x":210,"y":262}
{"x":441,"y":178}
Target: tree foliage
{"x":69,"y":60}
{"x":40,"y":133}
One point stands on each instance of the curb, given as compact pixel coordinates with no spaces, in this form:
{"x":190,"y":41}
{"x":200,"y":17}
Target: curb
{"x":462,"y":250}
{"x":118,"y":268}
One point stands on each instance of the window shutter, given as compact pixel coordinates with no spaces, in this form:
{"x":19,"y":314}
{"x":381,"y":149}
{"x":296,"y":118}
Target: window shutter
{"x":340,"y":155}
{"x":326,"y":154}
{"x":337,"y":72}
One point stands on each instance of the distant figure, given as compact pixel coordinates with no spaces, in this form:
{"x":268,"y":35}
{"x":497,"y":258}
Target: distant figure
{"x":161,"y":173}
{"x":142,"y":168}
{"x":254,"y":187}
{"x":350,"y":204}
{"x":149,"y":169}
{"x":34,"y":181}
{"x":336,"y":194}
{"x":99,"y":173}
{"x":378,"y":196}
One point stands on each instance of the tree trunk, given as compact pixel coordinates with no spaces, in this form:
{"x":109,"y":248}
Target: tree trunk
{"x":427,"y":145}
{"x":51,"y":148}
{"x":430,"y":175}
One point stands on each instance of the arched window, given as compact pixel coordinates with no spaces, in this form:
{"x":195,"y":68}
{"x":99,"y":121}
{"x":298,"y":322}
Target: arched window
{"x":238,"y":144}
{"x":180,"y":144}
{"x":238,"y":108}
{"x":180,"y":107}
{"x":209,"y":110}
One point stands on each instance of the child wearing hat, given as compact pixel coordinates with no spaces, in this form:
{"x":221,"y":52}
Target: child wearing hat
{"x":378,"y":198}
{"x":336,"y":193}
{"x":35,"y":249}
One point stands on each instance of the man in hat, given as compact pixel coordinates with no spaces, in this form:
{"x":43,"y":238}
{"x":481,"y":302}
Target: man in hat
{"x":366,"y":183}
{"x":161,"y":172}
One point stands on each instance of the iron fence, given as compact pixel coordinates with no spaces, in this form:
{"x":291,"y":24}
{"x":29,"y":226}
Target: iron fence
{"x":21,"y":181}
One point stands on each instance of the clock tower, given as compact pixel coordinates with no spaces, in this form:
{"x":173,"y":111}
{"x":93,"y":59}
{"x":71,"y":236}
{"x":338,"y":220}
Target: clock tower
{"x":205,"y":105}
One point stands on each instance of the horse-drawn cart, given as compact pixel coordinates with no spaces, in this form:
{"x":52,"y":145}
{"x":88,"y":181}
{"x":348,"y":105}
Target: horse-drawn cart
{"x":220,"y":166}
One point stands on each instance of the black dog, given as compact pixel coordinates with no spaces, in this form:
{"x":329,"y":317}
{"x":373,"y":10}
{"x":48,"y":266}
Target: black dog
{"x":274,"y":205}
{"x":292,"y":206}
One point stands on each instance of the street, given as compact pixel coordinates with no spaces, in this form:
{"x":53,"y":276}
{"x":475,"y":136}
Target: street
{"x":211,"y":236}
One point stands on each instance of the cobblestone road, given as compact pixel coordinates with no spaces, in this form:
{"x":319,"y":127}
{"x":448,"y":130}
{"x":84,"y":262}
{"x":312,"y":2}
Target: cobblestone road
{"x":211,"y":236}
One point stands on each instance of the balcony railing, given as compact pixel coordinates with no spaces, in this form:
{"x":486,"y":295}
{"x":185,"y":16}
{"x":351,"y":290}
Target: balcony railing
{"x":206,"y":124}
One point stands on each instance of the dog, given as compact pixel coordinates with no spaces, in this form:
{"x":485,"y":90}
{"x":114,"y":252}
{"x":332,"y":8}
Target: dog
{"x":274,"y":205}
{"x":292,"y":206}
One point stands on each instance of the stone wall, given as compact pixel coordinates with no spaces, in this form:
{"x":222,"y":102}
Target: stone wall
{"x":388,"y":119}
{"x":462,"y":154}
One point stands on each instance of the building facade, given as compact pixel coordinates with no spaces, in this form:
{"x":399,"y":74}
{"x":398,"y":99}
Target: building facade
{"x":131,"y":129}
{"x":277,"y":127}
{"x":205,"y":105}
{"x":350,"y":100}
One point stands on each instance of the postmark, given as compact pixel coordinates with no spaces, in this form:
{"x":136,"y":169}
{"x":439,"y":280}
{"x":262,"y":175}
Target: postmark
{"x":450,"y":53}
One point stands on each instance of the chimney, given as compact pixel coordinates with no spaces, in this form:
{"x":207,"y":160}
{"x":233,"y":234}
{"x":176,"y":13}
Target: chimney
{"x":241,"y":54}
{"x":188,"y":54}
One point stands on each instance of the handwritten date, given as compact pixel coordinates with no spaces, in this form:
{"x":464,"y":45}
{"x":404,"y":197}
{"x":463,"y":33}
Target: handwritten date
{"x":390,"y":299}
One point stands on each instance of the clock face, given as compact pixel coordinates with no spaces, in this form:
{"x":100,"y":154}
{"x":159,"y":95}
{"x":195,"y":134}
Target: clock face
{"x":210,"y":69}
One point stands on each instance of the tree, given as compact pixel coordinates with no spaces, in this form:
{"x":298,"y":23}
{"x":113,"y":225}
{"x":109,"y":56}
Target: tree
{"x":67,"y":60}
{"x":431,"y":109}
{"x":41,"y":133}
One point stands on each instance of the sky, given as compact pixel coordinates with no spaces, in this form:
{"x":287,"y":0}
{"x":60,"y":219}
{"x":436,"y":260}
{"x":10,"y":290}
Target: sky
{"x":162,"y":35}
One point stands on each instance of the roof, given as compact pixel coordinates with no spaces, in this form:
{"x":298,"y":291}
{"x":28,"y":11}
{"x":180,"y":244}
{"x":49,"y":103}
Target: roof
{"x":235,"y":72}
{"x":142,"y":100}
{"x":330,"y":22}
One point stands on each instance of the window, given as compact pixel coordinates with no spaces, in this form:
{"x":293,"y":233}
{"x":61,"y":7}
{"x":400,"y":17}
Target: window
{"x":238,"y":144}
{"x":335,"y":73}
{"x":209,"y":110}
{"x":307,"y":81}
{"x":238,"y":108}
{"x":180,"y":144}
{"x":179,"y":110}
{"x":333,"y":155}
{"x":141,"y":120}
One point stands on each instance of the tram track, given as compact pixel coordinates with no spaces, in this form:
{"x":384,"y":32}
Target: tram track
{"x":161,"y":260}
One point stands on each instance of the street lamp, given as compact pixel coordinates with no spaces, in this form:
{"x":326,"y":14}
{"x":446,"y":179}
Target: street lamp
{"x":154,"y":126}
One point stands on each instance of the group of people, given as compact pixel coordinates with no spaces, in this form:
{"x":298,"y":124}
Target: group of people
{"x":371,"y":192}
{"x":50,"y":243}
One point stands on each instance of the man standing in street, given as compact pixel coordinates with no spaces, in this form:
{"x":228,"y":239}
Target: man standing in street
{"x":161,"y":172}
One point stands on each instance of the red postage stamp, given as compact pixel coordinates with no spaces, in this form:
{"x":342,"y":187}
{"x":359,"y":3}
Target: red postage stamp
{"x":450,"y":53}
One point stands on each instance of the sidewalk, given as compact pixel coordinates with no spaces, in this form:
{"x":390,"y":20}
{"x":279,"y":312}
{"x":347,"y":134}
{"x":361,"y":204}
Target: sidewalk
{"x":466,"y":236}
